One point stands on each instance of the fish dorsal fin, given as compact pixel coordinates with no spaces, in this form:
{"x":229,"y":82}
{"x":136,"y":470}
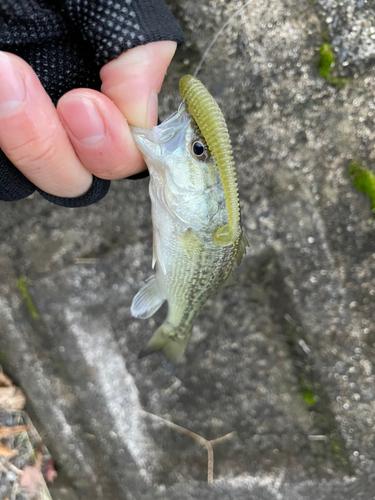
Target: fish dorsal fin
{"x":242,"y":244}
{"x":148,"y":300}
{"x":190,"y":243}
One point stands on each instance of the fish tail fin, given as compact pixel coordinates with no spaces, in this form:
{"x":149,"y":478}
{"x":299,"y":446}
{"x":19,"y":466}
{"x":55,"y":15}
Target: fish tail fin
{"x":169,"y":341}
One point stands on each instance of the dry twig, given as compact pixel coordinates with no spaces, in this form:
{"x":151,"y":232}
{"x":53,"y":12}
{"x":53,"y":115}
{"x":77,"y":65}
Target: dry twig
{"x":4,"y":380}
{"x":208,"y":444}
{"x":85,"y":260}
{"x":7,"y":452}
{"x":6,"y":431}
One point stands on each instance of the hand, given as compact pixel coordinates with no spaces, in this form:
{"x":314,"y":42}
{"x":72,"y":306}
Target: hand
{"x":58,"y":150}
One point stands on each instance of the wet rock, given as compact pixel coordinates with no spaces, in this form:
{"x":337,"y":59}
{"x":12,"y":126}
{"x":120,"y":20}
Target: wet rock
{"x":351,"y":27}
{"x":282,"y":361}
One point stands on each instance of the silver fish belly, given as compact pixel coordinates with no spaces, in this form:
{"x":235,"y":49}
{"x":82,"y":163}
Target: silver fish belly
{"x":188,"y":206}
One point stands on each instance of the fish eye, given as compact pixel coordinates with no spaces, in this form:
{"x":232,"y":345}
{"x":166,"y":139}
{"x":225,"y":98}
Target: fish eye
{"x":199,"y":150}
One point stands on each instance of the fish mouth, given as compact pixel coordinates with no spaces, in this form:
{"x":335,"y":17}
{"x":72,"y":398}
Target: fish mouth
{"x":165,"y":138}
{"x":146,"y":142}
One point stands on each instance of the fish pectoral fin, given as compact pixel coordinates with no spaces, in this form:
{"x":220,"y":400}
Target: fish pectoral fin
{"x":148,"y":300}
{"x":190,"y":243}
{"x":231,"y":280}
{"x":241,"y":251}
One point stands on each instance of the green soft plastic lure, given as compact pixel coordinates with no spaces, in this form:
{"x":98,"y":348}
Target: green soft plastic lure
{"x":195,"y":214}
{"x":210,"y":120}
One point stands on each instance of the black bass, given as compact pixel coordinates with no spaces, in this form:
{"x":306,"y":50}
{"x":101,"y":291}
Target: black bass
{"x":195,"y":214}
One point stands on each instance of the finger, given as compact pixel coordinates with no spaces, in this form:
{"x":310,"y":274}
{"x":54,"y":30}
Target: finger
{"x":31,"y":134}
{"x":134,"y":80}
{"x":100,"y":134}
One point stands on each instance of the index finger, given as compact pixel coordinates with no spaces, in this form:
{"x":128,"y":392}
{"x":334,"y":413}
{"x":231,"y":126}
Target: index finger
{"x":31,"y":134}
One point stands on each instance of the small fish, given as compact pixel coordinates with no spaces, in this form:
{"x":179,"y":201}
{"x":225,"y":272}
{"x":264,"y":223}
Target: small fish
{"x":197,"y":234}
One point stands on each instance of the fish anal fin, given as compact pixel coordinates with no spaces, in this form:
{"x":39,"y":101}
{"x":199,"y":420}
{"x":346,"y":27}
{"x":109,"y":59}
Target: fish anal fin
{"x":241,"y":250}
{"x":231,"y":280}
{"x":157,"y":254}
{"x":190,"y":243}
{"x":154,"y":257}
{"x":148,"y":300}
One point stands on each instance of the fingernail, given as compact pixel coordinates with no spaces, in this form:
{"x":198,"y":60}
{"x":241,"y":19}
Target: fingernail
{"x":82,"y":118}
{"x":12,"y":87}
{"x":152,"y":111}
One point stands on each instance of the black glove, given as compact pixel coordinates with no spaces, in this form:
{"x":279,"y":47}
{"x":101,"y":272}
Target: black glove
{"x":66,"y":42}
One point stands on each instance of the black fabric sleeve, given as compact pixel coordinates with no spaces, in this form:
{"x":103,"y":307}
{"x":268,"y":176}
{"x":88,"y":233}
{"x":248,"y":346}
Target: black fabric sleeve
{"x":13,"y":185}
{"x":99,"y":188}
{"x":113,"y":26}
{"x":66,"y":42}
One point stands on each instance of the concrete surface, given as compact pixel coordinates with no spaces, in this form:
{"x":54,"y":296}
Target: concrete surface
{"x":284,"y":359}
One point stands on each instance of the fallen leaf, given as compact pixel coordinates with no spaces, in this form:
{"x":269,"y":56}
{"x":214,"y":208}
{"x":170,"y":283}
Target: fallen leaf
{"x":30,"y":480}
{"x":39,"y":458}
{"x":12,"y":398}
{"x":7,"y":452}
{"x":43,"y":493}
{"x":6,"y":431}
{"x":4,"y":380}
{"x":49,"y":471}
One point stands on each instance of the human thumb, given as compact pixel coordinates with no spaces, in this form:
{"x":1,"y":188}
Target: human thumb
{"x":134,"y":79}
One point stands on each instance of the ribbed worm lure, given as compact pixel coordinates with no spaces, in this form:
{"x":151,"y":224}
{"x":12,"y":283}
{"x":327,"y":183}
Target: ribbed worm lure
{"x":210,"y":120}
{"x":195,"y":214}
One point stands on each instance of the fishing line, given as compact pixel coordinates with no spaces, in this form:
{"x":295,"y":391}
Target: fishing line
{"x":207,"y":51}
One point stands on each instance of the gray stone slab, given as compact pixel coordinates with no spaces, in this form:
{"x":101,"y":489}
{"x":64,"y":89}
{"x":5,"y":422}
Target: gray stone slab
{"x":237,"y":375}
{"x":351,"y":26}
{"x":284,"y":358}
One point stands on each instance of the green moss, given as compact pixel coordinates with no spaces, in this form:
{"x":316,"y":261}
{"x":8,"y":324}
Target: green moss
{"x":338,"y":452}
{"x":326,"y":64}
{"x":339,"y":82}
{"x":327,"y":60}
{"x":22,"y":287}
{"x":308,"y":396}
{"x":363,"y":179}
{"x":307,"y":390}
